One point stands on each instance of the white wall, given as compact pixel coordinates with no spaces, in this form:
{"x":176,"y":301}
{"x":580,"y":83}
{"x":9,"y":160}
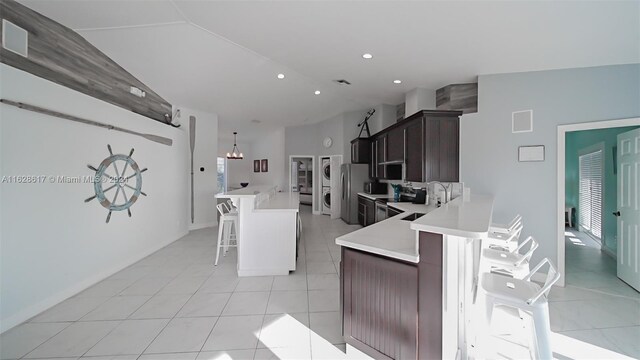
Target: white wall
{"x":238,"y":170}
{"x":270,"y":146}
{"x":489,"y":150}
{"x":204,"y":156}
{"x":52,"y":243}
{"x":419,"y":99}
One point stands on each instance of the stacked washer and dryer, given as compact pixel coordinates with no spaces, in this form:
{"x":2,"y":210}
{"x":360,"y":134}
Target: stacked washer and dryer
{"x":326,"y":185}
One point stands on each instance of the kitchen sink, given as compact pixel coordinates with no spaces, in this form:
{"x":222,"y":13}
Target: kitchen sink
{"x":413,"y":216}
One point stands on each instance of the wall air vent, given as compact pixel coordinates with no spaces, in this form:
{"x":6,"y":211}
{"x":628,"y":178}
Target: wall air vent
{"x":14,"y":38}
{"x":342,"y":82}
{"x":522,"y":121}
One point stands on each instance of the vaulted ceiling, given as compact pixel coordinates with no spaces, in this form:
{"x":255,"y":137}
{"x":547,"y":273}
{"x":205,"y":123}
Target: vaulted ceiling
{"x":223,"y":56}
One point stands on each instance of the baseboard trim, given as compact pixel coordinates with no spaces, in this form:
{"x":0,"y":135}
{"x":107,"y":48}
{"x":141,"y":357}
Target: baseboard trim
{"x":609,"y":252}
{"x":202,"y":225}
{"x":51,"y":301}
{"x":263,"y":272}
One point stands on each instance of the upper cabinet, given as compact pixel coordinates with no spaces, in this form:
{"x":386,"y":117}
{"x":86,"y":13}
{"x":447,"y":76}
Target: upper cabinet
{"x":395,"y":145}
{"x":421,"y":148}
{"x":360,"y":151}
{"x":414,"y":151}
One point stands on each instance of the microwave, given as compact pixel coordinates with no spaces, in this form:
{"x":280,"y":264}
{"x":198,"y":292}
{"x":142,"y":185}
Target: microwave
{"x":374,"y":187}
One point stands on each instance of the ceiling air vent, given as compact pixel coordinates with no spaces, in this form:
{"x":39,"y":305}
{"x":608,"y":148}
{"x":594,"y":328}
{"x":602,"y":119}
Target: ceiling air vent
{"x":14,"y":38}
{"x":342,"y":82}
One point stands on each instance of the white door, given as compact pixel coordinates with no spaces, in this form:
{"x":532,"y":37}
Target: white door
{"x":336,"y":161}
{"x":629,"y":208}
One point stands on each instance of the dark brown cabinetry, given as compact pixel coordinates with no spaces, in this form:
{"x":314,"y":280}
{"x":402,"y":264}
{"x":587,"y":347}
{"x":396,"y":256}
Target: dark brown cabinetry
{"x":414,"y":153}
{"x":381,"y":157}
{"x":379,"y":305}
{"x":395,"y":145}
{"x":360,"y":151}
{"x":442,"y":145}
{"x":392,"y":309}
{"x":366,"y":211}
{"x":421,"y":148}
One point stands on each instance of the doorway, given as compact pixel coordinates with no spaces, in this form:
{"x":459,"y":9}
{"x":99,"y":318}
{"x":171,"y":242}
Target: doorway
{"x":301,"y":178}
{"x":587,"y":234}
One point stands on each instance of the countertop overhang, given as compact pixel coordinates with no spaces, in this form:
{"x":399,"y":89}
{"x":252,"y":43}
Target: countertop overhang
{"x":398,"y":239}
{"x":468,"y":219}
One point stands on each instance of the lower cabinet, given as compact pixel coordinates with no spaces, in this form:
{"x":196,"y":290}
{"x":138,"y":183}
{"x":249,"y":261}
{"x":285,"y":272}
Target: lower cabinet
{"x":379,"y":305}
{"x":366,"y":211}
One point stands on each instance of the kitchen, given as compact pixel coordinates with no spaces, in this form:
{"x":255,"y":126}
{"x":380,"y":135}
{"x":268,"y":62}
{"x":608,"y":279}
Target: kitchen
{"x":313,"y":180}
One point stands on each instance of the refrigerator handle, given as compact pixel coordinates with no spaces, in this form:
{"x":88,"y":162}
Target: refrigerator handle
{"x":342,"y":184}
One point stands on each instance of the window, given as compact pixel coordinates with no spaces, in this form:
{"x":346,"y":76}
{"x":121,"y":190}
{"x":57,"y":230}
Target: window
{"x":222,"y":175}
{"x":590,"y":193}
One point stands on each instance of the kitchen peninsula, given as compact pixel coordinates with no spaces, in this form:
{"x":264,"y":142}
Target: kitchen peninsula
{"x":407,"y":282}
{"x":267,"y":230}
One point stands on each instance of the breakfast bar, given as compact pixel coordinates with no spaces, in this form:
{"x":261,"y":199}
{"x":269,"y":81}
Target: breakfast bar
{"x":407,"y":282}
{"x":267,"y":230}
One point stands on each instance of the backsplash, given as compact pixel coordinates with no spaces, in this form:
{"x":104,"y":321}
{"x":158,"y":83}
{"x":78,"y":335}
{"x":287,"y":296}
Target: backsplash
{"x":433,"y":189}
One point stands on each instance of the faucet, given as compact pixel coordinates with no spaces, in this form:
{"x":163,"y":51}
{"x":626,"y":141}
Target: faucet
{"x":446,"y":192}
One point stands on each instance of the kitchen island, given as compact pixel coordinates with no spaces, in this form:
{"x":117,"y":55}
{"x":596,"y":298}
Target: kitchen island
{"x":407,"y":285}
{"x":267,"y":230}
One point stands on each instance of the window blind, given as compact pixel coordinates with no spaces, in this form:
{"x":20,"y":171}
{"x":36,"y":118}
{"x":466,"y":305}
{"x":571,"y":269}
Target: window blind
{"x":590,"y":193}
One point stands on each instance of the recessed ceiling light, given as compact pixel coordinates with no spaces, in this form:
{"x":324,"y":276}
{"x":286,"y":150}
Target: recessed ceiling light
{"x":281,"y":76}
{"x":317,"y":92}
{"x":367,"y":56}
{"x":397,"y":81}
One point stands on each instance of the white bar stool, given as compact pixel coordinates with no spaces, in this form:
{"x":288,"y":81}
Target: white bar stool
{"x":228,"y":222}
{"x":500,"y":228}
{"x":503,"y":241}
{"x":511,"y":263}
{"x":232,"y":208}
{"x":526,"y":296}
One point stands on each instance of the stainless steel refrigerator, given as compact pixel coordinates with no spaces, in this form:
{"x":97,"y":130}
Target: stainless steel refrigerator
{"x":352,"y":179}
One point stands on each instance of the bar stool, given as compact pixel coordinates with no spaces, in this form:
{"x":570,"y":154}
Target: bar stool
{"x":232,"y":208}
{"x":503,"y":241}
{"x":228,"y":222}
{"x":528,"y":298}
{"x":504,"y":229}
{"x":511,"y":263}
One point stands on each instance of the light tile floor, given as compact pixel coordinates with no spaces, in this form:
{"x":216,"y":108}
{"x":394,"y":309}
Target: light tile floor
{"x":596,"y":316}
{"x":175,"y":305}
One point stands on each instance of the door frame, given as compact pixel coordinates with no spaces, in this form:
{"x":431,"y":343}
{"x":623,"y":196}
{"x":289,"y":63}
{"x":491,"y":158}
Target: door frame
{"x":560,"y":189}
{"x":314,"y":185}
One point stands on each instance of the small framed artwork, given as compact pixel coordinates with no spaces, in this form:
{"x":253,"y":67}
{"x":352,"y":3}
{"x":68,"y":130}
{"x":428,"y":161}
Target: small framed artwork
{"x":264,"y":165}
{"x":531,"y":153}
{"x":256,"y":165}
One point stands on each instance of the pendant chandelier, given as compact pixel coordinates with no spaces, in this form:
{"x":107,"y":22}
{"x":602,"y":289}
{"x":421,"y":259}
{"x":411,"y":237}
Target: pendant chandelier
{"x":235,"y":153}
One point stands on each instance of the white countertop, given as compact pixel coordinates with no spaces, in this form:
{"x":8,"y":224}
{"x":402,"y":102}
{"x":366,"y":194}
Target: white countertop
{"x":409,"y":207}
{"x":249,"y":191}
{"x":469,"y":219}
{"x":374,"y":196}
{"x":398,"y":238}
{"x":391,"y":237}
{"x":285,"y":201}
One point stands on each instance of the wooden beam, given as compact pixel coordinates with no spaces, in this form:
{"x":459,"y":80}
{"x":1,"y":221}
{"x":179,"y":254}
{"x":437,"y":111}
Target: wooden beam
{"x":462,"y":97}
{"x":61,"y":55}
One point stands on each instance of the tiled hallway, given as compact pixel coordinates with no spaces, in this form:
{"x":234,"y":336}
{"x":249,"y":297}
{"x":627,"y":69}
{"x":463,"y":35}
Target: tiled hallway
{"x":175,"y":305}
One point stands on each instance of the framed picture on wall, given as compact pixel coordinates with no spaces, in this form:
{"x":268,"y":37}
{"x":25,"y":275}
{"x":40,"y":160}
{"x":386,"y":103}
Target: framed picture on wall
{"x":264,"y":165}
{"x":256,"y":165}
